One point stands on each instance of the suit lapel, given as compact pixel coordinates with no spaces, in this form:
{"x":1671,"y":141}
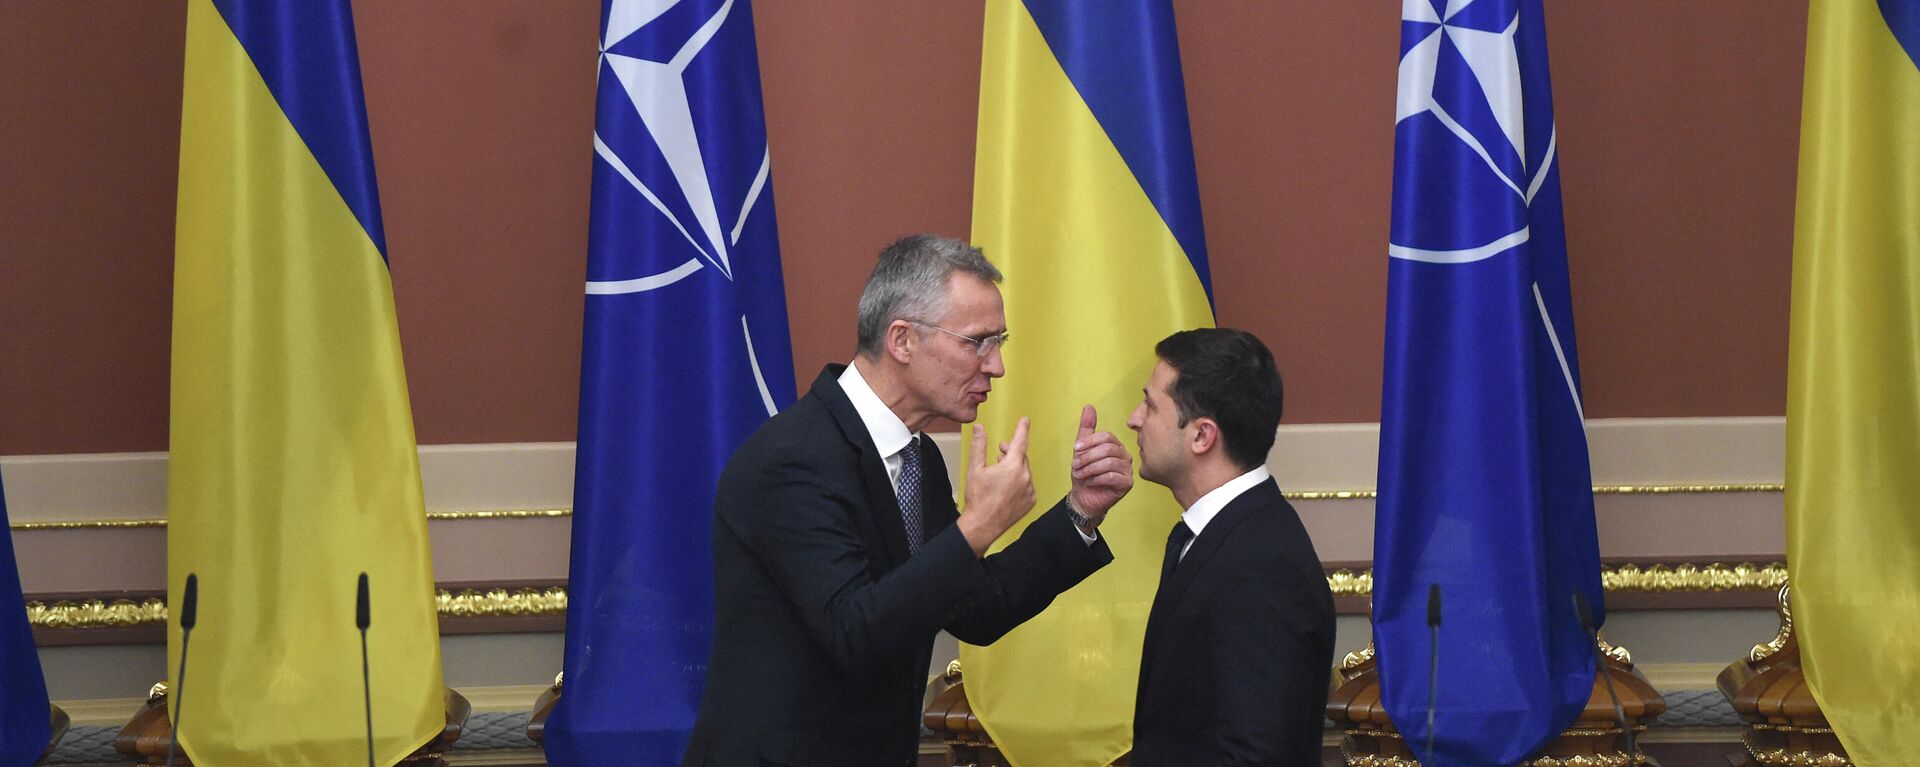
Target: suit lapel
{"x":883,"y":506}
{"x":1217,"y":531}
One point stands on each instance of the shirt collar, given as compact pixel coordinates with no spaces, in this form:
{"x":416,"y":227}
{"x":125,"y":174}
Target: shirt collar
{"x":1204,"y":510}
{"x":889,"y":433}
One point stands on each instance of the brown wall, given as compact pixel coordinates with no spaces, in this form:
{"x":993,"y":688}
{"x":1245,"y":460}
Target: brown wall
{"x":1678,"y":140}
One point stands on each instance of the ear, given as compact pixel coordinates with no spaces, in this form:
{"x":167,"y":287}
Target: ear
{"x":899,"y":341}
{"x":1206,"y":435}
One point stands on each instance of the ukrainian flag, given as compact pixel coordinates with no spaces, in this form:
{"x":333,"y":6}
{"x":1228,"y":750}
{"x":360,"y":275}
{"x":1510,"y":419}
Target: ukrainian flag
{"x":1085,"y":197}
{"x":1853,"y":376}
{"x":293,"y":462}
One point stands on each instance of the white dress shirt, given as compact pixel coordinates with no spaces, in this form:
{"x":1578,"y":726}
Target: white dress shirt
{"x":889,"y":433}
{"x":1204,"y":510}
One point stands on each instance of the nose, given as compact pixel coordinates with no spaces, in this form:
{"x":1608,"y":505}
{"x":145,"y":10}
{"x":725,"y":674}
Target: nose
{"x":993,"y":364}
{"x":1138,"y":417}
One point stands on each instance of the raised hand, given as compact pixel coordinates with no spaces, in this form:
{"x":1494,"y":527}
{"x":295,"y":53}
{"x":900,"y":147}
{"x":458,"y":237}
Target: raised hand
{"x":998,"y":494}
{"x":1102,"y":469}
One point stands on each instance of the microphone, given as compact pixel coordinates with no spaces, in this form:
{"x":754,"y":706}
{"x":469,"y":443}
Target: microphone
{"x":189,"y":615}
{"x":1433,"y":663}
{"x":1585,"y":611}
{"x":363,"y":615}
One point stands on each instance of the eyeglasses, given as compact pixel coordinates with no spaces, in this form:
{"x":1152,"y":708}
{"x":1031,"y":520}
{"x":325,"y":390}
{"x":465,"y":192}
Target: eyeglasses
{"x":982,"y":346}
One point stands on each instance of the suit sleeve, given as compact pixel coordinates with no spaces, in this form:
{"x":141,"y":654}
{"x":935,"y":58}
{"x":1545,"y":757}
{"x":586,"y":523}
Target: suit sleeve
{"x":1265,"y":663}
{"x":799,"y":525}
{"x":1016,"y":584}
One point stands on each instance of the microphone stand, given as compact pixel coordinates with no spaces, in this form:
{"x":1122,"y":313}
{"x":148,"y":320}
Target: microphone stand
{"x":1433,"y":662}
{"x":189,"y":607}
{"x":1585,"y":611}
{"x":363,"y":615}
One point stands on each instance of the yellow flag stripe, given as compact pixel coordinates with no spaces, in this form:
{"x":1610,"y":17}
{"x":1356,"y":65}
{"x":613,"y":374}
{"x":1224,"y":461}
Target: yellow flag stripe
{"x":293,"y":461}
{"x":1853,"y":392}
{"x":1093,"y":279}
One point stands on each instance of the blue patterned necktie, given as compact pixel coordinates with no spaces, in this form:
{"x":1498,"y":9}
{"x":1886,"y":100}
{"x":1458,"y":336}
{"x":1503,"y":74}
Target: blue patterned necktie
{"x":910,"y":493}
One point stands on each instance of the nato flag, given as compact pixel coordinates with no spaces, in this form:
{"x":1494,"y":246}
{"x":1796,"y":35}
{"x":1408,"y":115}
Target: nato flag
{"x":685,"y":354}
{"x":1484,"y":483}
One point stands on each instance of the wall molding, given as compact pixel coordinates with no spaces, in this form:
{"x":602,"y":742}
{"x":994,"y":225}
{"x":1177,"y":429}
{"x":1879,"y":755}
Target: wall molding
{"x":1292,"y":495}
{"x":1668,"y":490}
{"x":1313,"y":462}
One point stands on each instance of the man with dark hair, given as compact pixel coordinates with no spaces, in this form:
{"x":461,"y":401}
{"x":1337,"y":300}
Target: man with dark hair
{"x":1239,"y":642}
{"x":838,"y":551}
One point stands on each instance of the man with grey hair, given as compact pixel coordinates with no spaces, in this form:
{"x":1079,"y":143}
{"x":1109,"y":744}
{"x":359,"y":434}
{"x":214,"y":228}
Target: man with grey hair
{"x":839,"y":552}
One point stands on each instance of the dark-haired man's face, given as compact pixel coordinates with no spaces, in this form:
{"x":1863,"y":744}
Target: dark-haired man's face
{"x":1164,"y":445}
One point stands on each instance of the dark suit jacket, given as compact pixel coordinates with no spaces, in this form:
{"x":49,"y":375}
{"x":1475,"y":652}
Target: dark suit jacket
{"x":824,"y":626}
{"x":1239,"y":645}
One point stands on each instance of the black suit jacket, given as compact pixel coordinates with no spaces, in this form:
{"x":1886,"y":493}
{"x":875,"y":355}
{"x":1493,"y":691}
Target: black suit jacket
{"x":824,"y":626}
{"x":1239,"y":645}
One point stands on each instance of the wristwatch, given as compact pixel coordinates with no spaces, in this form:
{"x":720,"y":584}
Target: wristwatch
{"x":1081,"y":520}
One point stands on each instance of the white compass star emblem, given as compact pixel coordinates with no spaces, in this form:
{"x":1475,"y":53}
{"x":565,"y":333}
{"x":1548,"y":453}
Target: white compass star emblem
{"x":657,"y":91}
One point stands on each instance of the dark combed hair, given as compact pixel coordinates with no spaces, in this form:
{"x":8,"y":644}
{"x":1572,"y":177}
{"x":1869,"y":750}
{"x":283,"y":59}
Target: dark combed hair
{"x":1229,"y":376}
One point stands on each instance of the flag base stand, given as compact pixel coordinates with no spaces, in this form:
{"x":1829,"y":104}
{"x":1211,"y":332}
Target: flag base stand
{"x":542,"y":708}
{"x":147,"y":736}
{"x":59,"y":722}
{"x":951,"y":719}
{"x":1769,"y":691}
{"x":1593,"y":740}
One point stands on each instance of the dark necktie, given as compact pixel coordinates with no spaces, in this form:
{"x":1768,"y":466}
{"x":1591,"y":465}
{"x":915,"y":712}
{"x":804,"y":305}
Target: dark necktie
{"x":910,"y":493}
{"x":1176,"y":541}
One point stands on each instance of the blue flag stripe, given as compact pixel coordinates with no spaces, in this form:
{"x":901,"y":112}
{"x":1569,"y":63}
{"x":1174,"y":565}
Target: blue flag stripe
{"x":1903,"y":19}
{"x":305,"y":50}
{"x":1139,"y":98}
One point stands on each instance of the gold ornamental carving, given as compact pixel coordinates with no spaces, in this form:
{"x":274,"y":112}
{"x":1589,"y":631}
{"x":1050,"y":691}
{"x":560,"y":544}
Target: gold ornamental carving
{"x":522,"y":603}
{"x":1617,"y":652}
{"x":1781,"y":757}
{"x":467,"y":603}
{"x":501,"y":603}
{"x":1357,"y":658}
{"x":96,"y":614}
{"x":1740,"y":576}
{"x":1779,"y":641}
{"x":1347,"y":583}
{"x":1587,"y":760}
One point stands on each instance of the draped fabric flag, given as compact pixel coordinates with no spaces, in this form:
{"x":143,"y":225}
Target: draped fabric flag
{"x":1853,"y":376}
{"x":1484,"y":483}
{"x":293,"y":465}
{"x":686,"y":353}
{"x":25,"y":726}
{"x":1085,"y":197}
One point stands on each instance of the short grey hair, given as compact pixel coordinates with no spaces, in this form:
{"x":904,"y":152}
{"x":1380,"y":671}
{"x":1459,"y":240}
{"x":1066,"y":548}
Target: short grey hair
{"x":910,"y":283}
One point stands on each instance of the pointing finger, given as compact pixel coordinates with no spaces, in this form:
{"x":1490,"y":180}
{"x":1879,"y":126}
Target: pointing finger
{"x":979,"y":457}
{"x":1019,"y":446}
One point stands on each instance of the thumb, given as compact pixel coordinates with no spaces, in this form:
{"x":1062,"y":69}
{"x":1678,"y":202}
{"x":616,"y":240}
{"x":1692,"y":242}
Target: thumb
{"x":1088,"y":421}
